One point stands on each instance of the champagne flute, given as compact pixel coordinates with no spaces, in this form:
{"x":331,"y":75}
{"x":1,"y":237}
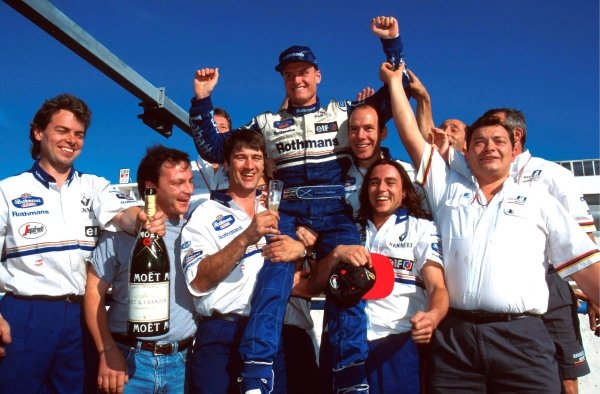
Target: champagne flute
{"x":275,"y":189}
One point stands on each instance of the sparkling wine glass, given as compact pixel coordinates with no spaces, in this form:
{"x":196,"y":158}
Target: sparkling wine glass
{"x":275,"y":189}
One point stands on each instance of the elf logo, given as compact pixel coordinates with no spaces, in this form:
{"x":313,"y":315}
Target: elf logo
{"x":326,"y":127}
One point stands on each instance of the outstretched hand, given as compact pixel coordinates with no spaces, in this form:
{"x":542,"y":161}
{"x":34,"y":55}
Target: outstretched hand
{"x":205,"y":81}
{"x":365,"y":93}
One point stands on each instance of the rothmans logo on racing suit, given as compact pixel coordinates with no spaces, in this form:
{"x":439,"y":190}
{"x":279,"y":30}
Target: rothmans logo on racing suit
{"x":309,"y":144}
{"x":222,"y":222}
{"x":27,"y":201}
{"x":32,"y":230}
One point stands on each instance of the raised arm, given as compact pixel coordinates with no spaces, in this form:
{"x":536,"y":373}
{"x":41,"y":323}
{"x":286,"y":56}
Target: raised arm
{"x":424,"y":111}
{"x":403,"y":115}
{"x":388,"y":30}
{"x":208,"y":140}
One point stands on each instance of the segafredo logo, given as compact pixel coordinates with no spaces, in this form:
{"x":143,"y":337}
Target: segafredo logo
{"x":32,"y":230}
{"x":27,"y":201}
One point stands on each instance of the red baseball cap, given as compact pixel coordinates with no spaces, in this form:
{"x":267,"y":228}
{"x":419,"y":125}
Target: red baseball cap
{"x":349,"y":283}
{"x":384,"y":274}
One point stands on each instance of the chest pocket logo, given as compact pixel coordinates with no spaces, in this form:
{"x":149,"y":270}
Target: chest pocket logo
{"x":32,"y":230}
{"x":331,"y":127}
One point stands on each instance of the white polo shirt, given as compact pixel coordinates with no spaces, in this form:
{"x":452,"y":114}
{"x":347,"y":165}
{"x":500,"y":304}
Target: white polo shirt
{"x":408,"y":242}
{"x":547,"y":175}
{"x":49,"y":233}
{"x":213,"y":225}
{"x":558,"y":181}
{"x":495,"y":251}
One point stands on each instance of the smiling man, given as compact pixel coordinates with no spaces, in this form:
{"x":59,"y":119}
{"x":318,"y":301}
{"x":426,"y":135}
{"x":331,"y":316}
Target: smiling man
{"x":308,"y":144}
{"x":50,"y":219}
{"x":129,"y":364}
{"x":221,"y":252}
{"x":366,"y":132}
{"x":498,"y":237}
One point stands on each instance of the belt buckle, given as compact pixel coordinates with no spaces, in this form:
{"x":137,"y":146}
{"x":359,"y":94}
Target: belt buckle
{"x":72,"y":298}
{"x":305,"y":192}
{"x":162,"y":349}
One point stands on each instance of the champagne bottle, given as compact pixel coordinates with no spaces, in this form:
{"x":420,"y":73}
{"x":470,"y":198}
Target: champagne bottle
{"x":148,"y":281}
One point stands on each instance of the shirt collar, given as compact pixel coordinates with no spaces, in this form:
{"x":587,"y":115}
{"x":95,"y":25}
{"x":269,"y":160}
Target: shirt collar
{"x":401,"y":215}
{"x":304,"y":110}
{"x":520,"y":161}
{"x":223,"y":198}
{"x":44,"y":178}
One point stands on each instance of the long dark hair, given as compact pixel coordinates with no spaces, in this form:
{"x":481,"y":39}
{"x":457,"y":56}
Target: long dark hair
{"x":411,"y":201}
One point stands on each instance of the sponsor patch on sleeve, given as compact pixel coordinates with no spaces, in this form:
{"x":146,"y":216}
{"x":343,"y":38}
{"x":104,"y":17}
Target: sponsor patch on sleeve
{"x":192,"y":259}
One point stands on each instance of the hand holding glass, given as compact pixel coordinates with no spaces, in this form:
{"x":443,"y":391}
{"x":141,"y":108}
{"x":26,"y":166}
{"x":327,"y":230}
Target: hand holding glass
{"x":275,"y":189}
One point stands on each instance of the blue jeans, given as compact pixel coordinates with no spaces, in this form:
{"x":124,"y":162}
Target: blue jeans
{"x":155,"y":374}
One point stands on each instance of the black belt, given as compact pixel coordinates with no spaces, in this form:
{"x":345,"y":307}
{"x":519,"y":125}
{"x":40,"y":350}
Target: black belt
{"x":313,"y":192}
{"x":155,"y":347}
{"x":233,"y":317}
{"x":71,"y":298}
{"x":480,"y":317}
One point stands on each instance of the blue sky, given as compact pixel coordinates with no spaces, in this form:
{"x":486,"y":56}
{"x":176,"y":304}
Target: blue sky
{"x":540,"y":56}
